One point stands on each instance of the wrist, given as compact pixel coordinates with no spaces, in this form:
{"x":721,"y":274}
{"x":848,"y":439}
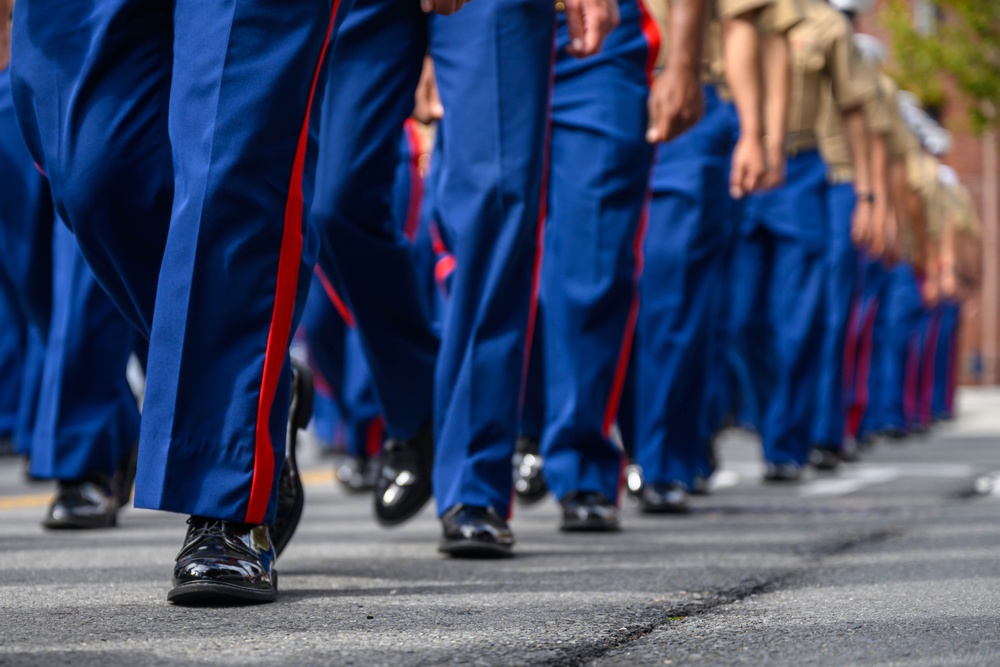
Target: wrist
{"x":865,"y":196}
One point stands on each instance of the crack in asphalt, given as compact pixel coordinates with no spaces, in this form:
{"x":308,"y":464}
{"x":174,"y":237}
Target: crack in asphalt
{"x":705,"y":602}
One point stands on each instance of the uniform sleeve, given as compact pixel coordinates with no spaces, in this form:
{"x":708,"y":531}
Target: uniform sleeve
{"x":878,"y":113}
{"x":728,"y":9}
{"x":968,"y":221}
{"x":851,"y":88}
{"x":781,"y":16}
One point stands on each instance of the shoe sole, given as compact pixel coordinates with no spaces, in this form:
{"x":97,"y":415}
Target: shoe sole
{"x":475,"y":549}
{"x":422,"y":495}
{"x":584,"y":526}
{"x":213,"y":593}
{"x":126,"y":477}
{"x":666,"y":510}
{"x":56,"y":524}
{"x":300,"y":413}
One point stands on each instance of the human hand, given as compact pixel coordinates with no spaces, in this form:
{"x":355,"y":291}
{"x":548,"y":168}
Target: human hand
{"x":426,"y":100}
{"x":445,"y":7}
{"x":747,"y":168}
{"x":676,"y":103}
{"x":589,"y":23}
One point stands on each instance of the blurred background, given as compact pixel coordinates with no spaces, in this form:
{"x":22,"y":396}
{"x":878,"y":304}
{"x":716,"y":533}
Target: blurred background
{"x":947,"y":53}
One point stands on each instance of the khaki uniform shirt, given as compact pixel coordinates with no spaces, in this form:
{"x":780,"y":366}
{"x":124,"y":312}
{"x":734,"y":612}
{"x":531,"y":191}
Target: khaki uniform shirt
{"x":776,"y":16}
{"x":902,"y":141}
{"x":822,"y":55}
{"x":832,"y":135}
{"x":968,"y":219}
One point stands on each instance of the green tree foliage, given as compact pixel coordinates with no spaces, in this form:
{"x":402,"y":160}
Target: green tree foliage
{"x":964,"y":46}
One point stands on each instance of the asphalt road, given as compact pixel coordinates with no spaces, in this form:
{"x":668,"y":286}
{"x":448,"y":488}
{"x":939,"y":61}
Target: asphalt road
{"x":893,"y":561}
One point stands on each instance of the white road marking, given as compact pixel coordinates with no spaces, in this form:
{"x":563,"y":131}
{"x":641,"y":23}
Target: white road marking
{"x":856,"y":477}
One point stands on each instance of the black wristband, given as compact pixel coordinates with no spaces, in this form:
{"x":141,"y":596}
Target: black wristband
{"x":866,"y":196}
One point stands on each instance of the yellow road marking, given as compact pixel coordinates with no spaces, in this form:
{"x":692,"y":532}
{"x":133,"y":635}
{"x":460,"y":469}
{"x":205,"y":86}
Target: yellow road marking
{"x":309,"y":478}
{"x":25,"y":502}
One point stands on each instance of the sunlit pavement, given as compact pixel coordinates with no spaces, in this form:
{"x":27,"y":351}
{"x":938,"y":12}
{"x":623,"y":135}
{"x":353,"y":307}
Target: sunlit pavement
{"x":891,"y":561}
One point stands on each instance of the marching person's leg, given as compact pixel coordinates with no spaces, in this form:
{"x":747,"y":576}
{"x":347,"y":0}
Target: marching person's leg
{"x":236,"y":270}
{"x":13,"y":340}
{"x":861,"y":355}
{"x":25,"y":265}
{"x":529,"y":480}
{"x":87,"y":423}
{"x":948,"y":365}
{"x":598,"y":184}
{"x":794,"y":216}
{"x":493,"y":64}
{"x":106,"y":152}
{"x":374,"y":70}
{"x":830,"y":420}
{"x":902,"y":312}
{"x":218,"y":389}
{"x":690,"y":226}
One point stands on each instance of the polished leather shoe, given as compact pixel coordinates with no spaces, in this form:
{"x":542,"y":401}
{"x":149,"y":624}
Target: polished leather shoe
{"x":589,"y":512}
{"x":475,"y":532}
{"x":79,"y":505}
{"x":403,"y":485}
{"x":291,"y":493}
{"x":224,"y":562}
{"x":669,"y":498}
{"x":633,"y":480}
{"x":701,"y":487}
{"x":824,"y":458}
{"x":7,"y":448}
{"x":529,"y":485}
{"x":851,"y":451}
{"x":124,"y":478}
{"x":783,"y":472}
{"x":357,"y":474}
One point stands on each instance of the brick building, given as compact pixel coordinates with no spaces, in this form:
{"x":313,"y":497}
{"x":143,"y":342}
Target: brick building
{"x":975,"y":159}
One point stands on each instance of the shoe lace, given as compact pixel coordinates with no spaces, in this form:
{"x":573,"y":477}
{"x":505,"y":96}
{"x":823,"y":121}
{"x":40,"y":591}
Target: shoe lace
{"x":205,"y":529}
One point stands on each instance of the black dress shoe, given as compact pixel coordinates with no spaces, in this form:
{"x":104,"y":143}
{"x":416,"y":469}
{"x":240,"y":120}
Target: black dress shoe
{"x":224,"y":562}
{"x":701,"y":486}
{"x":358,"y":474}
{"x":475,"y":532}
{"x":896,"y":435}
{"x":783,"y":472}
{"x":403,"y":486}
{"x":80,"y":505}
{"x":589,"y":512}
{"x":824,"y":458}
{"x":851,"y":451}
{"x":633,"y":480}
{"x":124,"y":478}
{"x":291,"y":494}
{"x":669,"y":498}
{"x":7,"y":448}
{"x":529,"y":485}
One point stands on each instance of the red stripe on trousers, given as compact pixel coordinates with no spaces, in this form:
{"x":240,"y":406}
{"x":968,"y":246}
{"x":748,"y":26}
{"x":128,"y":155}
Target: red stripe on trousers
{"x":927,"y":375}
{"x":338,"y":303}
{"x":861,"y":396}
{"x":911,"y":381}
{"x":289,"y":261}
{"x":651,"y":31}
{"x":373,"y":439}
{"x":621,"y":366}
{"x":416,"y":182}
{"x":952,"y":379}
{"x":851,"y":343}
{"x":543,"y":211}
